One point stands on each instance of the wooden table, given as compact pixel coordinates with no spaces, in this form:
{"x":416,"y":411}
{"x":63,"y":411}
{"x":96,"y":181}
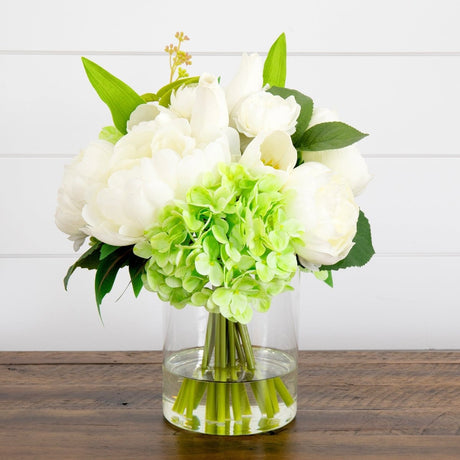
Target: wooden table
{"x":98,"y":405}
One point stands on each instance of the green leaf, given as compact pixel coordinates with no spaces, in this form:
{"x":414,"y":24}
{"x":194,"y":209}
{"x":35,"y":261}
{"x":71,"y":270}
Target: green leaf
{"x":110,"y":134}
{"x":274,"y":73}
{"x":119,"y":97}
{"x":164,"y":94}
{"x":89,"y":260}
{"x":136,"y":271}
{"x":107,"y":272}
{"x":306,"y":109}
{"x":149,"y":97}
{"x":361,"y":252}
{"x":328,"y":136}
{"x":106,"y":250}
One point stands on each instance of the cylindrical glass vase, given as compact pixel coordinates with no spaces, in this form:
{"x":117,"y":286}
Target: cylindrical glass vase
{"x":226,"y":378}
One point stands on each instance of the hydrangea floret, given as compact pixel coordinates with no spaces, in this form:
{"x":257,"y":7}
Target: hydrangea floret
{"x":228,"y":246}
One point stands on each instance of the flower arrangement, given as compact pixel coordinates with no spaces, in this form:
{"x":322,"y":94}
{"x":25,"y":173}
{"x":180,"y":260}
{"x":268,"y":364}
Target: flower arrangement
{"x":214,"y":194}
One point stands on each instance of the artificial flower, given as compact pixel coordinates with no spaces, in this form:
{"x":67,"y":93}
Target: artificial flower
{"x":325,"y":206}
{"x":83,"y":177}
{"x":264,"y":112}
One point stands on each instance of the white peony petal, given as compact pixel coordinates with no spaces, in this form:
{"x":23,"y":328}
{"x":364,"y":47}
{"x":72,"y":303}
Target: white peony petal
{"x":325,"y":206}
{"x":347,"y":162}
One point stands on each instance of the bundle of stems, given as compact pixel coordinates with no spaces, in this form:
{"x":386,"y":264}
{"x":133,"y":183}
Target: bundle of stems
{"x":220,"y":381}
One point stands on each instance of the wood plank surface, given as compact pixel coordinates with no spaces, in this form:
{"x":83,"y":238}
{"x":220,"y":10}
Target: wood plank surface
{"x":352,"y":404}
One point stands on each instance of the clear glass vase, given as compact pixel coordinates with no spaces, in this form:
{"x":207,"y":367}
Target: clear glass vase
{"x":227,"y":378}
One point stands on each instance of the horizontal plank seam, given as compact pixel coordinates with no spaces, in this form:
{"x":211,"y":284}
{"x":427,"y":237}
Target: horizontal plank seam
{"x":47,"y":52}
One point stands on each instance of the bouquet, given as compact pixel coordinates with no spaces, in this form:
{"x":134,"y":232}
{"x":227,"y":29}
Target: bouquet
{"x":214,"y":193}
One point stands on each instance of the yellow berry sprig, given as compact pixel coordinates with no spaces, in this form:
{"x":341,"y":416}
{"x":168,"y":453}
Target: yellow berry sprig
{"x":178,"y":57}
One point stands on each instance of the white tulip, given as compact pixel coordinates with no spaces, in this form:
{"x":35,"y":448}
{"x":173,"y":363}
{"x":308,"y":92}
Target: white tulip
{"x":182,"y":101}
{"x":325,"y":206}
{"x":264,"y":112}
{"x":248,"y":79}
{"x":346,"y":161}
{"x":209,"y":113}
{"x":128,"y":205}
{"x":85,"y":175}
{"x":271,"y":153}
{"x":142,"y":113}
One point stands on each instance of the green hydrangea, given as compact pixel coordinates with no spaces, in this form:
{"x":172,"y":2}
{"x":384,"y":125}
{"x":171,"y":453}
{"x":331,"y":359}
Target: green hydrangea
{"x":227,"y":247}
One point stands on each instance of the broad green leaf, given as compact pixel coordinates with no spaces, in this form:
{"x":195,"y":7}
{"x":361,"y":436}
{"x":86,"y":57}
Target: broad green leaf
{"x":361,"y":252}
{"x":106,"y":250}
{"x":107,"y":272}
{"x":119,"y":97}
{"x":274,"y":73}
{"x":89,"y":260}
{"x":110,"y":134}
{"x":306,"y":109}
{"x":328,"y":136}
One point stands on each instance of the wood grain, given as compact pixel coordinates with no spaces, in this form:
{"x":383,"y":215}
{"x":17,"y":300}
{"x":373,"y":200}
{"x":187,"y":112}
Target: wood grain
{"x":366,"y":405}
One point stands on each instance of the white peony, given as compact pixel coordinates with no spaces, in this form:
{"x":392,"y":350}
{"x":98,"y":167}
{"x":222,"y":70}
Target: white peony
{"x":322,"y":115}
{"x":128,"y":205}
{"x":264,"y":112}
{"x":346,"y":161}
{"x":271,"y":153}
{"x":142,"y":113}
{"x":157,"y":161}
{"x":325,"y":206}
{"x":248,"y":79}
{"x":85,"y":175}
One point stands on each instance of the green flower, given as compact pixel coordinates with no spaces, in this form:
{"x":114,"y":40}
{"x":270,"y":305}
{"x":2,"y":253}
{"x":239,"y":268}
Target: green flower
{"x":227,"y":247}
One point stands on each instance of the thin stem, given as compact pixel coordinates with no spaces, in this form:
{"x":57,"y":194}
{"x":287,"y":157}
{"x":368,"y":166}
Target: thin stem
{"x":209,"y":342}
{"x":246,"y":341}
{"x":283,"y":392}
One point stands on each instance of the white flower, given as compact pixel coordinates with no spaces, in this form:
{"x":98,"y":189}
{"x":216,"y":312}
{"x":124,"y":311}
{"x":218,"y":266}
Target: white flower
{"x":346,"y":161}
{"x":86,"y":174}
{"x":182,"y":101}
{"x":271,"y":153}
{"x":157,"y":161}
{"x":248,"y":79}
{"x":143,"y":112}
{"x":325,"y":206}
{"x":128,"y":205}
{"x":209,"y":113}
{"x":322,"y":115}
{"x":264,"y":112}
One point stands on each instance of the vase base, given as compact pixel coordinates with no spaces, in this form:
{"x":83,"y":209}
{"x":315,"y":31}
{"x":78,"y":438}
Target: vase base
{"x":233,"y":404}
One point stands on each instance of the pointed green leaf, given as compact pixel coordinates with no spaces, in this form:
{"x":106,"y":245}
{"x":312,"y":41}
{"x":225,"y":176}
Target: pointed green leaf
{"x":306,"y":109}
{"x":136,"y":272}
{"x":361,"y":252}
{"x":89,"y":260}
{"x":107,"y":272}
{"x":274,"y":73}
{"x":119,"y":97}
{"x":328,"y":136}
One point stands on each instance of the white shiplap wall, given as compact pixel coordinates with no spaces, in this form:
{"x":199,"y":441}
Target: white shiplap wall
{"x":389,"y":68}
